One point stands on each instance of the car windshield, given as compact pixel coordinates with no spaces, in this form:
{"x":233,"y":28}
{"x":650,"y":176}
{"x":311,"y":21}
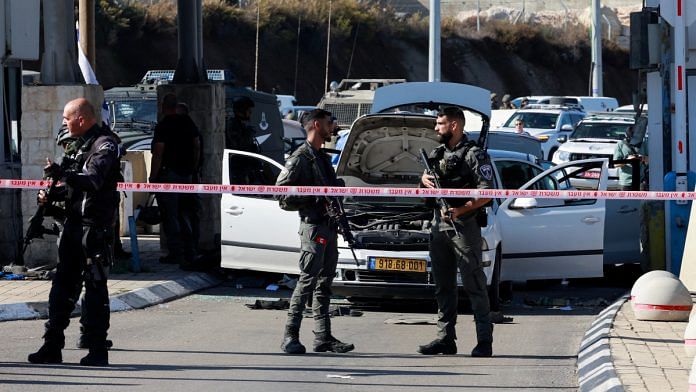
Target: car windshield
{"x":600,"y":131}
{"x":136,"y":110}
{"x":533,"y":120}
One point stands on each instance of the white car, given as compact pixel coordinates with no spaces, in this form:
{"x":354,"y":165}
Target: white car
{"x":525,"y":239}
{"x":596,"y":136}
{"x":546,"y":123}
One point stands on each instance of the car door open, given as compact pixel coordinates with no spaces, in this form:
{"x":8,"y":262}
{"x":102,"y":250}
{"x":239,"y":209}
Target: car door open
{"x":556,"y":238}
{"x":256,"y":233}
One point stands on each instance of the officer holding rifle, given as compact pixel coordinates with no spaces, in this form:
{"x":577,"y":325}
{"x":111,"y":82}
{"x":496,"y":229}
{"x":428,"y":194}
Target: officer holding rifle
{"x":309,"y":166}
{"x":456,"y":234}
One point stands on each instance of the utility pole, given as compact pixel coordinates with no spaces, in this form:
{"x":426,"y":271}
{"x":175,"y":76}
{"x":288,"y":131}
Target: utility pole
{"x":328,"y":47}
{"x":256,"y":55}
{"x":59,"y":60}
{"x":434,"y":47}
{"x":597,"y":87}
{"x":189,"y":67}
{"x":87,"y":39}
{"x":297,"y":53}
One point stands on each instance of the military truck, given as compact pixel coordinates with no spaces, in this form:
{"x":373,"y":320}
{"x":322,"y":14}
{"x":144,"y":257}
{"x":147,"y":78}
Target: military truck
{"x":134,"y":111}
{"x":352,"y":98}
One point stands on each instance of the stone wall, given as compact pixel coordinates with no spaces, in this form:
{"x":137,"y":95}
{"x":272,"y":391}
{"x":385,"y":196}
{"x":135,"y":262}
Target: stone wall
{"x":42,"y":115}
{"x":206,"y":104}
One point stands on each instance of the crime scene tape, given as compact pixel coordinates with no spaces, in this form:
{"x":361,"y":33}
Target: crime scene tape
{"x":368,"y":191}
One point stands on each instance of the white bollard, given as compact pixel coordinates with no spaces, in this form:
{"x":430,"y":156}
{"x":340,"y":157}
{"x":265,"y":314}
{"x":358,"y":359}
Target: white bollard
{"x":690,"y":337}
{"x":692,"y":377}
{"x":646,"y":277}
{"x":663,"y":299}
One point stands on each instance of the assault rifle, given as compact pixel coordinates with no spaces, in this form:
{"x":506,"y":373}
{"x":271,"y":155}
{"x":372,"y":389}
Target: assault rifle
{"x":337,"y":213}
{"x":441,"y":201}
{"x":36,"y":228}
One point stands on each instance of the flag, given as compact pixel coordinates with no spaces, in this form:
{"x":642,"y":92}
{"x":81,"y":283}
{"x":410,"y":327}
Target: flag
{"x":88,"y":74}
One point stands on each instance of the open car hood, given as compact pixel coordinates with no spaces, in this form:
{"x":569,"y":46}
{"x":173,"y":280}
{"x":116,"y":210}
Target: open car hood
{"x":384,"y":148}
{"x":444,"y":93}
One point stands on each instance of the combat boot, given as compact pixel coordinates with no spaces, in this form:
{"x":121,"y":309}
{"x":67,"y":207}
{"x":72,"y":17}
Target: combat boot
{"x":483,"y":349}
{"x":82,"y":343}
{"x":326,"y":342}
{"x":96,"y":357}
{"x":48,"y":353}
{"x":439,"y":346}
{"x":291,"y":341}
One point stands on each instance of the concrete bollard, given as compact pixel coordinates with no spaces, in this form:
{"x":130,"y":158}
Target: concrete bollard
{"x":690,"y":337}
{"x":646,"y":277}
{"x":663,"y":299}
{"x":692,"y":377}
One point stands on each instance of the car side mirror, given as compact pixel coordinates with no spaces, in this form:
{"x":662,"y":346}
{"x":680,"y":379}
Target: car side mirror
{"x":567,"y":128}
{"x":523,"y":203}
{"x":562,"y":139}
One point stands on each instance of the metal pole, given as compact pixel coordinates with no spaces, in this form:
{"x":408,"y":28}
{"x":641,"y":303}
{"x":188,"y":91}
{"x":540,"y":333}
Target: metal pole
{"x":86,"y":8}
{"x":199,"y":41}
{"x":188,"y":69}
{"x":297,"y":53}
{"x":59,"y":60}
{"x":597,"y":88}
{"x":680,"y":113}
{"x":608,"y":27}
{"x":256,"y":65}
{"x":478,"y":16}
{"x":352,"y":52}
{"x":328,"y":46}
{"x":434,"y":52}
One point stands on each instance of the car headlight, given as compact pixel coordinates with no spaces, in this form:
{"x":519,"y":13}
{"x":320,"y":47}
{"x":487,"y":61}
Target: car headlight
{"x":562,"y":155}
{"x":484,"y":244}
{"x":543,"y":138}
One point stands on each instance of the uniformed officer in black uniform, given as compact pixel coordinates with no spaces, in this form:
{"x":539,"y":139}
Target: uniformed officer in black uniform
{"x":85,"y":246}
{"x":460,"y":163}
{"x":309,"y":166}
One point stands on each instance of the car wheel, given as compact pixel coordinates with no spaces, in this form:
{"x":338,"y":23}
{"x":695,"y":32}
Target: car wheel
{"x":494,"y":288}
{"x":553,"y":151}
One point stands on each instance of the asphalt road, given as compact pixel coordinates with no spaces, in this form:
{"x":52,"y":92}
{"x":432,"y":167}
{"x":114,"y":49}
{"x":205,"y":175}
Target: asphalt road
{"x":211,"y":342}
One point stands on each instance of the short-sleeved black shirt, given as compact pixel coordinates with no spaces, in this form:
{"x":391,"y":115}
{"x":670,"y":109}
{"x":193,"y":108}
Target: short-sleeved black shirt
{"x":177,"y":132}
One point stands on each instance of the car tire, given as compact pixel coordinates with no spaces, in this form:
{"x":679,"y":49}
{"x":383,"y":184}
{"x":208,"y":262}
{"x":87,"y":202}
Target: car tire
{"x":494,"y":288}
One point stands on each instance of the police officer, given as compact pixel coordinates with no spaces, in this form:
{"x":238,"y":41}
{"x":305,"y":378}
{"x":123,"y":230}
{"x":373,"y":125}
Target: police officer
{"x":85,"y":245}
{"x":308,"y":166}
{"x":460,"y":163}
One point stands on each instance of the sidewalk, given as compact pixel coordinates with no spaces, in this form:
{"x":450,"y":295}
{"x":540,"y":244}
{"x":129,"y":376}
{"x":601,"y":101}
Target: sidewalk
{"x":621,"y":353}
{"x":27,"y":299}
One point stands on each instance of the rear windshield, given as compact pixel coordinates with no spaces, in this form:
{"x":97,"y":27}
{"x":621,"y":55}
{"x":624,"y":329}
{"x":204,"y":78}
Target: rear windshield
{"x":600,"y":131}
{"x":533,"y":120}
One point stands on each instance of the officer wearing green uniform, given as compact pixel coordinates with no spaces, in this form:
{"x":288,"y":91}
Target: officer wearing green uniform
{"x":309,"y":166}
{"x":460,"y":163}
{"x":624,"y":150}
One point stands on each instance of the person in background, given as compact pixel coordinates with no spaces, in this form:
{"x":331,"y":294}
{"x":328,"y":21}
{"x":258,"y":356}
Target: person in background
{"x":175,"y":157}
{"x":494,"y":101}
{"x":506,"y":102}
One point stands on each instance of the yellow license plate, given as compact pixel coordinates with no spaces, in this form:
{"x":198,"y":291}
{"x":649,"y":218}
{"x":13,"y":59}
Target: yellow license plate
{"x":397,"y":264}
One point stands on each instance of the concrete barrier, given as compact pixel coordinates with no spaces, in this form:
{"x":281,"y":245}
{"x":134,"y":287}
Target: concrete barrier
{"x":662,"y":299}
{"x":646,"y":277}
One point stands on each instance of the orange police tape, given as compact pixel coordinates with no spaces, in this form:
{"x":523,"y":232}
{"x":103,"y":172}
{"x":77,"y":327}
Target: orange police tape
{"x":368,"y":191}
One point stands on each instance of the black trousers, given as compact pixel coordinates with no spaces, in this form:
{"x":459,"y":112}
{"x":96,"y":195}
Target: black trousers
{"x":76,"y":245}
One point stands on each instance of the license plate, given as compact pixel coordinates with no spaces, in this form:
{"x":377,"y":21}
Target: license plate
{"x":591,"y":174}
{"x":396,"y":264}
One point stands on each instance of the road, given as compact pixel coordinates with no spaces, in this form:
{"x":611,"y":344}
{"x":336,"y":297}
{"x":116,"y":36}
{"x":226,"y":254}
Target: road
{"x":211,"y":342}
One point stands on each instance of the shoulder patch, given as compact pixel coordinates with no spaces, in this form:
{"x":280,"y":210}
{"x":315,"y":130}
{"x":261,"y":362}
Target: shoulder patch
{"x":107,"y":146}
{"x":486,"y":171}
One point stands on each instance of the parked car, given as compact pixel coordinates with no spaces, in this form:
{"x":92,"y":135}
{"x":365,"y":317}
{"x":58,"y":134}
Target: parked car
{"x":596,"y":136}
{"x":547,"y":123}
{"x":382,"y":151}
{"x":588,"y":104}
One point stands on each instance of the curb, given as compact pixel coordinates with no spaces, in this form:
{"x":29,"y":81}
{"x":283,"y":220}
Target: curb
{"x":595,"y":366}
{"x":136,"y":299}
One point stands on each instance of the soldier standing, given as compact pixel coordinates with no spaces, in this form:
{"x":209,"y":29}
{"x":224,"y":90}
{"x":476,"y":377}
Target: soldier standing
{"x":460,"y":163}
{"x":85,"y":248}
{"x":308,"y":166}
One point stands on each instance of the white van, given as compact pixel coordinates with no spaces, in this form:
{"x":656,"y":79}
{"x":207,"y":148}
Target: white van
{"x":589,"y":104}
